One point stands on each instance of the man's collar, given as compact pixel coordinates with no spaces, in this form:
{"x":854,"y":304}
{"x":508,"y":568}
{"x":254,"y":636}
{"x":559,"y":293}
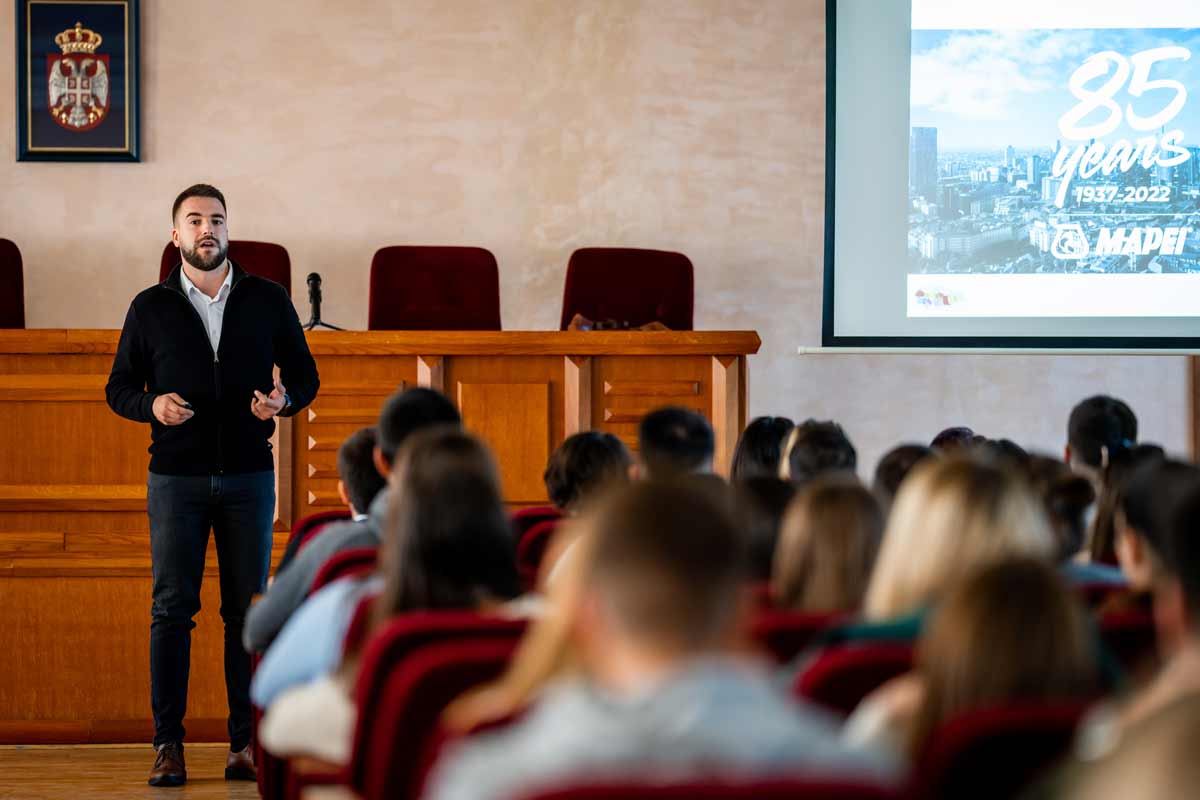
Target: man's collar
{"x":188,"y":287}
{"x":174,"y":280}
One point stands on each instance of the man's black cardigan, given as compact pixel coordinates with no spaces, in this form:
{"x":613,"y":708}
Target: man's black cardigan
{"x":165,"y":348}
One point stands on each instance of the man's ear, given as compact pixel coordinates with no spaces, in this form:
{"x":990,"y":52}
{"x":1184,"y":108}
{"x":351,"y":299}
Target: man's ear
{"x":636,"y":471}
{"x":344,"y":495}
{"x":1171,"y":616}
{"x":381,"y":464}
{"x":1066,"y":454}
{"x":175,"y":236}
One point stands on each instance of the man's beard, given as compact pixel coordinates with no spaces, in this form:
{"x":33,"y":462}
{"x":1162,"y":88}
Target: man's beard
{"x":200,"y":262}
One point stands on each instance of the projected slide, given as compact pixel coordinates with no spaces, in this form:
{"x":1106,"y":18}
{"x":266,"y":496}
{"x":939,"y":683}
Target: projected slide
{"x":1053,"y":170}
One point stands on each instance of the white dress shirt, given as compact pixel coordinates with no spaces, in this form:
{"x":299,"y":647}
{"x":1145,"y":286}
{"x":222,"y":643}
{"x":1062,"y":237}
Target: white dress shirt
{"x":210,"y":309}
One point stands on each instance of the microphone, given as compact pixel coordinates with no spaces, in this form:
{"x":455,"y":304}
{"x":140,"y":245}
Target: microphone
{"x":314,"y":295}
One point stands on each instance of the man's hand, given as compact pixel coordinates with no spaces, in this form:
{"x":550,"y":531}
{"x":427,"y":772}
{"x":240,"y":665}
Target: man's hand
{"x":169,"y":409}
{"x":265,"y":406}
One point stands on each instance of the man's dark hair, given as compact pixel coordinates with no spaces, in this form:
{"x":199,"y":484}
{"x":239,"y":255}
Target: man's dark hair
{"x":674,"y":441}
{"x":1099,"y":423}
{"x":411,"y":410}
{"x":955,"y":438}
{"x":817,"y":447}
{"x":669,"y":562}
{"x":894,"y":467}
{"x":1183,"y":550}
{"x":583,"y":465}
{"x":1151,"y":493}
{"x":356,"y":468}
{"x":758,"y":448}
{"x":198,"y":190}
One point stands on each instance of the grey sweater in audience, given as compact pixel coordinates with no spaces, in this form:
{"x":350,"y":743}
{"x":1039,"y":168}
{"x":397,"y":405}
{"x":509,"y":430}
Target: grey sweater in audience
{"x":266,"y":618}
{"x":716,"y":718}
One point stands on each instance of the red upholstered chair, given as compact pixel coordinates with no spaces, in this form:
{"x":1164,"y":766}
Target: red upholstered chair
{"x":308,"y":527}
{"x":629,"y":285}
{"x":434,"y":289}
{"x":995,"y":753}
{"x":842,"y":675}
{"x":525,"y":518}
{"x":531,"y":549}
{"x":12,"y":278}
{"x":798,"y":788}
{"x":265,"y":259}
{"x":347,"y":563}
{"x":785,"y":634}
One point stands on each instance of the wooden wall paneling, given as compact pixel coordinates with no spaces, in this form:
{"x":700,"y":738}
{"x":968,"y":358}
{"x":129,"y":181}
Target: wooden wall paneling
{"x":431,"y":373}
{"x":513,"y":418}
{"x":625,"y":388}
{"x":726,"y":391}
{"x":577,"y":394}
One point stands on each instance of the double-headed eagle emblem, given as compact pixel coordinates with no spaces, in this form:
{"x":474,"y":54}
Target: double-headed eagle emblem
{"x":78,"y":80}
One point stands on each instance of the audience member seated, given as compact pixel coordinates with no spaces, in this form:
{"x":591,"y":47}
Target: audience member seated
{"x":952,"y":440}
{"x":950,"y":516}
{"x":759,"y":504}
{"x":674,"y":441}
{"x":1010,"y":632}
{"x":358,"y":482}
{"x":1120,"y":464}
{"x":447,"y":546}
{"x":582,"y":467}
{"x":757,"y":452}
{"x":893,"y":468}
{"x":827,"y":546}
{"x":1177,"y":617}
{"x":814,"y":448}
{"x":1142,"y":521}
{"x":662,"y":693}
{"x":403,"y":413}
{"x":1157,"y":761}
{"x":1096,"y":427}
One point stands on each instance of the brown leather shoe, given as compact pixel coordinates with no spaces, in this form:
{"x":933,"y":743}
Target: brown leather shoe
{"x":168,"y":766}
{"x":239,"y":766}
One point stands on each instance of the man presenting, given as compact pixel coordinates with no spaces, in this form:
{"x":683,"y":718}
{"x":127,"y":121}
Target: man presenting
{"x":196,"y":360}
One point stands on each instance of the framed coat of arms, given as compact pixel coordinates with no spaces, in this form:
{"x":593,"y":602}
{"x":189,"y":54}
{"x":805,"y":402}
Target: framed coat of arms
{"x":78,"y":80}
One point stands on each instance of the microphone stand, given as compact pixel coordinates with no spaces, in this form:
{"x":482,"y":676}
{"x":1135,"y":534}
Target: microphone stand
{"x":314,"y":299}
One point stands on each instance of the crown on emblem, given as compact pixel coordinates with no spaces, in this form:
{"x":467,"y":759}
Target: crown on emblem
{"x":78,"y":39}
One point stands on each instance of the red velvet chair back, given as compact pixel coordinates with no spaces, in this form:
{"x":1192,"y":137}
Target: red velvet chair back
{"x":785,"y":634}
{"x":842,"y":675}
{"x":308,"y":527}
{"x":387,"y":650}
{"x":798,"y":788}
{"x":12,"y":278}
{"x":629,"y":285}
{"x":434,"y":289}
{"x":264,"y":259}
{"x":993,"y":754}
{"x":531,"y":549}
{"x":525,"y":518}
{"x":355,"y":561}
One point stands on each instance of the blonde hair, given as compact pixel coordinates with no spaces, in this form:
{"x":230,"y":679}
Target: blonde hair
{"x":949,"y":516}
{"x":827,"y":545}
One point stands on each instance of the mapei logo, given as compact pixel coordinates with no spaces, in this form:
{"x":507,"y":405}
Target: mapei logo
{"x":1070,"y":242}
{"x":1141,"y":241}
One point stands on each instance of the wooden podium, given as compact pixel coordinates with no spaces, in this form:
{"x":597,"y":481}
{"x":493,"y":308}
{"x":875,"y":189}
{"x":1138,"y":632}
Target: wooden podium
{"x":74,"y":540}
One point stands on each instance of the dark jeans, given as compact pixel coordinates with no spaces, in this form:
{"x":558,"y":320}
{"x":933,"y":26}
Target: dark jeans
{"x":239,"y":510}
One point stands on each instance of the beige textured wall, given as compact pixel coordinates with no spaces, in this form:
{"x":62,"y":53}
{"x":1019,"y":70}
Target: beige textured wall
{"x":530,"y":127}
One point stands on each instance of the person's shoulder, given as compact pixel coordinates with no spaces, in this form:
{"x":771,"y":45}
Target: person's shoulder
{"x":149,"y":296}
{"x":263,"y":287}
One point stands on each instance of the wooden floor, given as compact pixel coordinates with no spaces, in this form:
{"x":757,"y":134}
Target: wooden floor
{"x":102,"y":771}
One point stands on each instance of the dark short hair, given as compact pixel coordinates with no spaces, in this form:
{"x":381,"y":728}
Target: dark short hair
{"x":410,"y":410}
{"x":1183,"y":551}
{"x":954,"y":438}
{"x":356,"y":468}
{"x":758,"y":448}
{"x":1098,"y":423}
{"x":819,"y":447}
{"x":674,"y":440}
{"x":894,"y":467}
{"x":582,"y":466}
{"x":198,"y":190}
{"x":669,"y":562}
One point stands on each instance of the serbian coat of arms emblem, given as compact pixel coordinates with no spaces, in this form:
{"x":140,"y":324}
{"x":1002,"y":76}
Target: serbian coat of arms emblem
{"x":78,"y":80}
